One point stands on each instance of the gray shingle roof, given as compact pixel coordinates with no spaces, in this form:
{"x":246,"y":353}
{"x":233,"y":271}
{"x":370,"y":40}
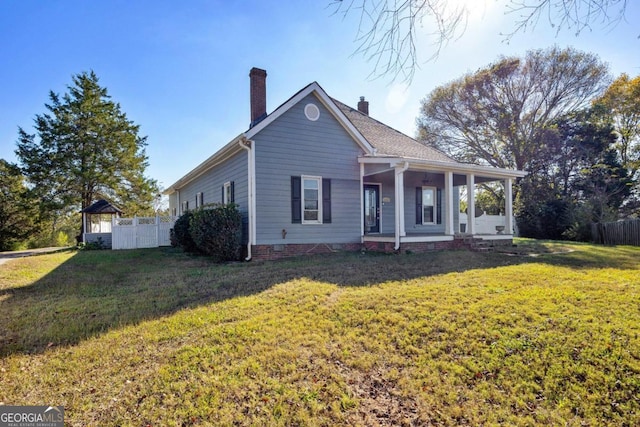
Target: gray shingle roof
{"x":388,"y":141}
{"x":101,"y":207}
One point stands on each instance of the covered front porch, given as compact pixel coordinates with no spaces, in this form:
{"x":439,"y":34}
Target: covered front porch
{"x":415,"y":203}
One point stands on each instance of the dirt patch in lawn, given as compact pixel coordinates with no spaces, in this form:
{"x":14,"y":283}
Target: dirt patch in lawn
{"x":535,"y":249}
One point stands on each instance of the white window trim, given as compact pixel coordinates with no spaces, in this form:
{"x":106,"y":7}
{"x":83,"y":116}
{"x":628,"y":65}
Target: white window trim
{"x":435,"y":205}
{"x":319,"y":181}
{"x":227,"y":192}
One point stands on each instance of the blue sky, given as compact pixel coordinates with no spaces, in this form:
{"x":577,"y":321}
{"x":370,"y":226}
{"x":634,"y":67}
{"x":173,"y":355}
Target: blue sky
{"x":180,"y":69}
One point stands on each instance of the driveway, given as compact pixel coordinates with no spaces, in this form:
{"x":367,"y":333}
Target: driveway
{"x":6,"y":256}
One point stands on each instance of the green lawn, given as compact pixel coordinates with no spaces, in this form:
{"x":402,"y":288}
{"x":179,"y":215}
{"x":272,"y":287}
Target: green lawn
{"x":545,"y":334}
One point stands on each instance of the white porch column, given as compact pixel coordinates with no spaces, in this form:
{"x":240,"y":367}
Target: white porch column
{"x":448,"y":191}
{"x":508,"y":205}
{"x":471,"y":204}
{"x":399,"y":207}
{"x":361,"y":202}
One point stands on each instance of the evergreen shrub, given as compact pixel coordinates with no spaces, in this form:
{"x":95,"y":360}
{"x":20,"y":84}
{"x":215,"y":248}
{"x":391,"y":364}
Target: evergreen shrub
{"x":216,"y":230}
{"x":180,"y":236}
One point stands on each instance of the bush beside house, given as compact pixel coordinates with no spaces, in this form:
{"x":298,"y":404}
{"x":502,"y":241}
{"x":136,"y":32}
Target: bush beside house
{"x":214,"y":230}
{"x":179,"y":234}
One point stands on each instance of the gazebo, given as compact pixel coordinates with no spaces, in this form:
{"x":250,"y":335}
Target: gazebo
{"x":97,"y":220}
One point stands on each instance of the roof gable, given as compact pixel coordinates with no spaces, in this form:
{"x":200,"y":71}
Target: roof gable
{"x":327,"y":102}
{"x":101,"y":207}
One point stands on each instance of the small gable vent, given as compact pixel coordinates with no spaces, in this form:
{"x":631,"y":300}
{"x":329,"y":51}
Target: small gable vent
{"x":312,"y":112}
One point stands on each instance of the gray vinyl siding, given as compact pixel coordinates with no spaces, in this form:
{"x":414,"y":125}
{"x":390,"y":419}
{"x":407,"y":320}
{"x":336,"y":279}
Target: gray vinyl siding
{"x":173,"y":203}
{"x":411,"y":181}
{"x":211,"y":182}
{"x":293,"y":146}
{"x":388,"y":210}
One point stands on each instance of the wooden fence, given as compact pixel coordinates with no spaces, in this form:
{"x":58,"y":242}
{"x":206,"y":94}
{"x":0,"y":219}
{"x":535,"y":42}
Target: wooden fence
{"x":617,"y":233}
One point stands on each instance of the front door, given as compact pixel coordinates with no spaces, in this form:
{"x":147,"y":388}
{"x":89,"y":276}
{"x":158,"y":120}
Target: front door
{"x":371,"y":209}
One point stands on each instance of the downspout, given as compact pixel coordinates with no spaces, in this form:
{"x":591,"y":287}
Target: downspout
{"x":247,"y":144}
{"x":399,"y":201}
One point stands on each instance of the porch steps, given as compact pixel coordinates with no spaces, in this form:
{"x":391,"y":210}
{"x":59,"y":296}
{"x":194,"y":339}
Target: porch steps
{"x":476,"y":245}
{"x":482,"y":246}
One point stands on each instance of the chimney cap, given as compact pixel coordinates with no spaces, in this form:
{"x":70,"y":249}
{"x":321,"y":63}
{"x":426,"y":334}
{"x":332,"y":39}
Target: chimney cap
{"x":363,"y":106}
{"x":256,"y":70}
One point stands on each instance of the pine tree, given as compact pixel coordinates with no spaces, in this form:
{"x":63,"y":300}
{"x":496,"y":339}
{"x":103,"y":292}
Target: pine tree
{"x":19,"y":217}
{"x":85,"y":148}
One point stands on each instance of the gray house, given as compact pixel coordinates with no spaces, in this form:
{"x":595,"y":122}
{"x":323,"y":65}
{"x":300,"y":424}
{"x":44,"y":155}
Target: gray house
{"x":316,"y":175}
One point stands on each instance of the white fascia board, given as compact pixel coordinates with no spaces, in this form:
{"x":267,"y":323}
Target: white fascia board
{"x":218,"y":157}
{"x":380,"y":159}
{"x":329,"y":105}
{"x":461,"y":168}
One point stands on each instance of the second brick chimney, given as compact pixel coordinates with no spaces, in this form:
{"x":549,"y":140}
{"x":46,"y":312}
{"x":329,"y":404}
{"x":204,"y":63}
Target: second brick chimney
{"x":258,"y":94}
{"x":363,"y":106}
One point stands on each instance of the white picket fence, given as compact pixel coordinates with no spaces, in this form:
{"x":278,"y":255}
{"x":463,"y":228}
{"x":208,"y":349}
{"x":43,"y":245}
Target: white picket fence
{"x":141,"y":232}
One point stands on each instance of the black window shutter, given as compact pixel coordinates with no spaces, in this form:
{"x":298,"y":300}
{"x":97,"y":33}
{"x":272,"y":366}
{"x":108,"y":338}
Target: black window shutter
{"x":233,"y":193}
{"x":222,"y":197}
{"x":418,"y":205}
{"x":326,"y":201}
{"x":439,"y":202}
{"x":296,"y":200}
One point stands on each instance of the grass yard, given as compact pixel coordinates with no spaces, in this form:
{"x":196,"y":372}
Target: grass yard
{"x":542,"y":334}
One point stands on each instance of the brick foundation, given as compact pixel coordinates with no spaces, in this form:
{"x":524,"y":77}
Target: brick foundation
{"x":272,"y":252}
{"x":387,"y":247}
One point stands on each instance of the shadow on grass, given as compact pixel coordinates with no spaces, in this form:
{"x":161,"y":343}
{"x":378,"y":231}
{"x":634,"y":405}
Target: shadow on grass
{"x":96,"y":291}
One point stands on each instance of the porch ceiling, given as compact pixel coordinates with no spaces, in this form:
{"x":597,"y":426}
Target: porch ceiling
{"x":377,"y":165}
{"x":458,"y":179}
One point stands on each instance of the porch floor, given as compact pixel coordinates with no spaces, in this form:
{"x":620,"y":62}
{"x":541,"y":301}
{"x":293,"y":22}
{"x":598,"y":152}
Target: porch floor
{"x":431,"y":237}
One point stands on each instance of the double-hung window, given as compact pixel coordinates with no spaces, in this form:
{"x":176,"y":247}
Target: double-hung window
{"x":429,"y":205}
{"x":227,"y":192}
{"x":310,"y":200}
{"x":312,"y":193}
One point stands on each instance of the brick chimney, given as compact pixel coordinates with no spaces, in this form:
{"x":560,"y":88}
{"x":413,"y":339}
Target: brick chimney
{"x":258,"y":95}
{"x":363,"y":106}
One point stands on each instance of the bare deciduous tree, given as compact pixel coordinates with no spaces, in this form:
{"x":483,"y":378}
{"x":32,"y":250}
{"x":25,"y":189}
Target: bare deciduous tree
{"x":570,"y":15}
{"x":500,"y":115}
{"x":388,"y":29}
